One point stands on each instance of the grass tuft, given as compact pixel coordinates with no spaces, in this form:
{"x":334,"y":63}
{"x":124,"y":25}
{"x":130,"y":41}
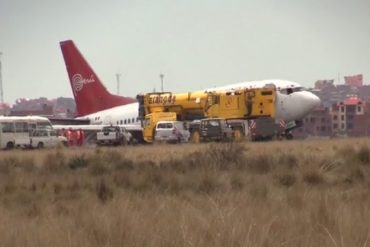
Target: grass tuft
{"x":287,"y":180}
{"x":363,"y":155}
{"x":78,"y":161}
{"x":313,"y":177}
{"x":103,"y":191}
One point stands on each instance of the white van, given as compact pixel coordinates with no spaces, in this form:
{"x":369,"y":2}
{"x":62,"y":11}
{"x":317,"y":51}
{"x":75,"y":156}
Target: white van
{"x":171,"y":131}
{"x":43,"y":138}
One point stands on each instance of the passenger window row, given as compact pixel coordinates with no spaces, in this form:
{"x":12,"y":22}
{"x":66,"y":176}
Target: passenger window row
{"x":124,"y":121}
{"x":128,"y":121}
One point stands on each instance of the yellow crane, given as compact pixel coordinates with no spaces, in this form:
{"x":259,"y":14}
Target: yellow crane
{"x":237,"y":104}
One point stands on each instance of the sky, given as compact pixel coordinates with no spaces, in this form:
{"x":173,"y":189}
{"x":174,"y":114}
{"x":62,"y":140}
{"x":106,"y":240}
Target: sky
{"x":195,"y":44}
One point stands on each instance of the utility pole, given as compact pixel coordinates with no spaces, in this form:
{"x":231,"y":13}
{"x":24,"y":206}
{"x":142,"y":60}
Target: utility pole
{"x":118,"y":76}
{"x":161,"y":76}
{"x":1,"y":82}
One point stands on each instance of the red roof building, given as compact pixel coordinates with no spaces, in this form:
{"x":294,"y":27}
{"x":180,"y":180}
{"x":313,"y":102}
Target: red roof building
{"x":350,"y":117}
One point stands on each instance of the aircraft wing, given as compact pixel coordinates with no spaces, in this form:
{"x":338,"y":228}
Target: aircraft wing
{"x":76,"y":127}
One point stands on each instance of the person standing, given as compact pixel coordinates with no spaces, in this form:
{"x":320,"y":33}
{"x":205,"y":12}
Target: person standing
{"x":80,"y":137}
{"x":69,"y":135}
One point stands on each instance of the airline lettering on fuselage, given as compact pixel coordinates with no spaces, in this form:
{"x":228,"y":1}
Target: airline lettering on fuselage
{"x":78,"y":82}
{"x":171,"y":99}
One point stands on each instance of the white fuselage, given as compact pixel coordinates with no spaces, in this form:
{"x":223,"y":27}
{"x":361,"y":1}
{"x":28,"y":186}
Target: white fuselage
{"x":120,"y":115}
{"x":292,"y":103}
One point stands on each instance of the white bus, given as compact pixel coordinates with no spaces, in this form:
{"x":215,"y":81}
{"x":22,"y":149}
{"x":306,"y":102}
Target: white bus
{"x":15,"y":131}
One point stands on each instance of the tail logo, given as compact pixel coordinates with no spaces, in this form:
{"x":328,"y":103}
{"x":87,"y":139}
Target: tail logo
{"x":78,"y":82}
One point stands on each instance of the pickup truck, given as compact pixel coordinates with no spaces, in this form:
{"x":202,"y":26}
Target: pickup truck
{"x":113,"y":135}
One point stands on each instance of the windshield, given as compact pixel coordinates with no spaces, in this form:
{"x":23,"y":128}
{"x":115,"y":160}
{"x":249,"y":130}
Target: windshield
{"x":110,"y":128}
{"x":44,"y":125}
{"x":146,"y":122}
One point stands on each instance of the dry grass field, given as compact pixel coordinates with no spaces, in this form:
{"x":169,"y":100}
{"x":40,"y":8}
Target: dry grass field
{"x":298,"y":193}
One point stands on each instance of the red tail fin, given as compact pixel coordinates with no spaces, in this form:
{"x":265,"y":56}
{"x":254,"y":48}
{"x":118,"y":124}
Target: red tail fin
{"x":89,"y":92}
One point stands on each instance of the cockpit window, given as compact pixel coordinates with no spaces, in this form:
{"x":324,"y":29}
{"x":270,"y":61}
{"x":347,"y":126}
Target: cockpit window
{"x":298,"y":89}
{"x":291,"y":90}
{"x":283,"y":91}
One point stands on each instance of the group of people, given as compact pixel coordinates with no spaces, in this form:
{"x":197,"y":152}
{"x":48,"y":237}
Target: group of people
{"x":74,"y":137}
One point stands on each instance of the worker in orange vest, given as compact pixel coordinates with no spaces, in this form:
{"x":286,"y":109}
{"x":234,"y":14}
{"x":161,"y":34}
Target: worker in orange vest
{"x":80,"y":137}
{"x":69,"y":135}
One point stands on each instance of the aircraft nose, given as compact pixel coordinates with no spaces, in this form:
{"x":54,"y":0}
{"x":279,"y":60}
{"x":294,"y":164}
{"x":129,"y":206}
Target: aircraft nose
{"x":311,"y":101}
{"x":296,"y":106}
{"x":315,"y":101}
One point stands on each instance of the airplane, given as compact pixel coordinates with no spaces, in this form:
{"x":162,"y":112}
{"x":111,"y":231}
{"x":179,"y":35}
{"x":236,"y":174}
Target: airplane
{"x":96,"y":104}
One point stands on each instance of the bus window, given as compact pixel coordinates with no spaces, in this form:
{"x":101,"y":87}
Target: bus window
{"x":7,"y":127}
{"x":32,"y":126}
{"x":21,"y":127}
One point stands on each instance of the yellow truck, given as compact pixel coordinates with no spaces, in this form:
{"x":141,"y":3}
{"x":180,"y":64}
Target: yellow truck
{"x":229,"y":105}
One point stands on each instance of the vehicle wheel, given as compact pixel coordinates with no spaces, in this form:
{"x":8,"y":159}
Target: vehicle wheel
{"x":9,"y":145}
{"x":195,"y":137}
{"x":289,"y":136}
{"x":40,"y":145}
{"x":237,"y":134}
{"x":132,"y":142}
